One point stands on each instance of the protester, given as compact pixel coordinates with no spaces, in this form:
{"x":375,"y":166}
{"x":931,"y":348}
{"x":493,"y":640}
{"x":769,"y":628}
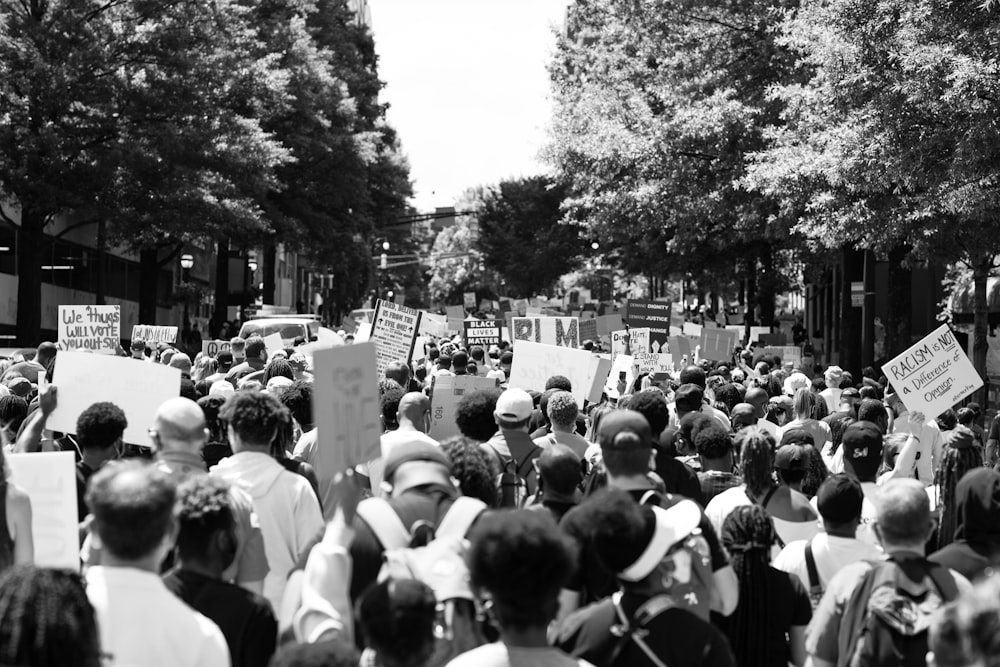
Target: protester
{"x":965,"y":632}
{"x":30,"y":369}
{"x":474,"y":414}
{"x":140,"y":621}
{"x":217,"y":446}
{"x":715,"y":451}
{"x":475,"y":470}
{"x":46,"y":619}
{"x":769,"y":623}
{"x":832,"y":376}
{"x":563,"y":411}
{"x":513,"y":448}
{"x":926,"y":433}
{"x":961,"y":455}
{"x":758,"y":398}
{"x":676,"y":476}
{"x":559,"y":477}
{"x":975,"y":544}
{"x":802,"y":406}
{"x":397,"y":619}
{"x":255,"y":359}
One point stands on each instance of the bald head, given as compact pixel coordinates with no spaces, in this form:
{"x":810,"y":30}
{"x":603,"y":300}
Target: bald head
{"x":414,"y":408}
{"x":180,"y":424}
{"x":756,"y":397}
{"x":903,"y":514}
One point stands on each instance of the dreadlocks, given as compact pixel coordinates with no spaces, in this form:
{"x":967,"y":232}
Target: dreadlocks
{"x":46,"y":619}
{"x":954,"y":464}
{"x":756,"y":459}
{"x":748,"y":534}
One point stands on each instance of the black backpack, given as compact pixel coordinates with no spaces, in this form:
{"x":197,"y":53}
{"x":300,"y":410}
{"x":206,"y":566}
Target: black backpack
{"x":511,"y":483}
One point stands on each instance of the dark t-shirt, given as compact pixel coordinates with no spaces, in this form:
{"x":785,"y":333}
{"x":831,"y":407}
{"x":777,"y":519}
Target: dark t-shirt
{"x":591,"y":579}
{"x":968,"y":560}
{"x":83,"y":474}
{"x":675,"y":636}
{"x":245,"y":618}
{"x":789,"y":606}
{"x":678,"y":478}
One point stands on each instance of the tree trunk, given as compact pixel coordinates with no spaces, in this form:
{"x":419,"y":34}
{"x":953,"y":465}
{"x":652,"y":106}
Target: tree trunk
{"x":897,"y":328}
{"x":29,"y":284}
{"x":850,"y":316}
{"x":980,"y":343}
{"x":268,"y":262}
{"x":149,"y":272}
{"x":751,"y":297}
{"x":100,"y":285}
{"x":766,"y":286}
{"x":221,"y":285}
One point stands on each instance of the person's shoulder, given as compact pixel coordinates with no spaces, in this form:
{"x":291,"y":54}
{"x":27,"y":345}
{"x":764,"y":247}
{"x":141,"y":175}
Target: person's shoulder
{"x":791,"y":555}
{"x":849,"y":576}
{"x":487,"y":655}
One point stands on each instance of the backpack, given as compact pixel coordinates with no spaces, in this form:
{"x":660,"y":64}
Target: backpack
{"x":815,"y":585}
{"x":634,"y":629}
{"x":695,"y":595}
{"x":511,"y":483}
{"x":885,"y":624}
{"x":435,"y":556}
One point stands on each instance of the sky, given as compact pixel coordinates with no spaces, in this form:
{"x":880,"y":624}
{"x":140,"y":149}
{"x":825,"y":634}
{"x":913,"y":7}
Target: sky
{"x":468,"y":89}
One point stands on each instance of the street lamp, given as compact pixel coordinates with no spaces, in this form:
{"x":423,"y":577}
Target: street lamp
{"x":252,"y":262}
{"x":187,"y":262}
{"x":595,"y":245}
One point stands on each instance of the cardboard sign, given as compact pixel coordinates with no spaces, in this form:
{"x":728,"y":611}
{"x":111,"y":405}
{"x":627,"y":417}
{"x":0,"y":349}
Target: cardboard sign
{"x":93,"y":328}
{"x":652,"y":362}
{"x":448,"y":391}
{"x":455,"y":312}
{"x":692,"y":329}
{"x":790,"y":354}
{"x":600,"y":366}
{"x":138,"y":389}
{"x":638,"y":342}
{"x":469,"y":300}
{"x":608,"y":323}
{"x":562,"y":331}
{"x":623,"y":366}
{"x":934,"y":374}
{"x":739,"y":330}
{"x":154,"y":334}
{"x":399,"y":299}
{"x":345,"y":405}
{"x":588,"y":327}
{"x":535,"y":363}
{"x":273,"y":343}
{"x":520,"y":307}
{"x":433,"y":325}
{"x":680,"y":347}
{"x":49,"y":479}
{"x":364,"y":333}
{"x":717,"y":344}
{"x":394,"y":331}
{"x":482,"y":332}
{"x":757,"y":332}
{"x":211,"y":348}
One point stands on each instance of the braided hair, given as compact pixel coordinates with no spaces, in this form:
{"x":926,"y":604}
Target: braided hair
{"x":756,"y":448}
{"x":46,"y":619}
{"x":748,"y":533}
{"x":955,"y":462}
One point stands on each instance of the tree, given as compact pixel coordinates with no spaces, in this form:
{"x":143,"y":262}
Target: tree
{"x":892,"y":141}
{"x":521,"y":236}
{"x":456,"y":263}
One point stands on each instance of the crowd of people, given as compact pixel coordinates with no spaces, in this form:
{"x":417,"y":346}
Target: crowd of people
{"x":738,"y":513}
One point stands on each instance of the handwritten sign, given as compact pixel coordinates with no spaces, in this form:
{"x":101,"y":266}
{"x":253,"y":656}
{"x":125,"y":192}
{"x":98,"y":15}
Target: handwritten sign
{"x":562,"y":331}
{"x":692,"y":329}
{"x":345,"y":405}
{"x":520,"y":307}
{"x":394,"y":332}
{"x":934,"y":374}
{"x":455,"y":312}
{"x":211,"y":348}
{"x":154,"y":334}
{"x":717,"y":344}
{"x":652,"y":362}
{"x":790,"y":355}
{"x":482,"y":332}
{"x":534,"y":363}
{"x":638,"y":341}
{"x":448,"y":391}
{"x":757,"y":332}
{"x":49,"y":479}
{"x":138,"y":389}
{"x":93,"y":328}
{"x":433,"y":325}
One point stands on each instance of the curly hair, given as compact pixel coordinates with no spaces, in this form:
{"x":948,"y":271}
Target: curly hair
{"x":100,"y":425}
{"x":255,"y":416}
{"x":46,"y":619}
{"x":475,"y":470}
{"x":203,"y":508}
{"x":651,"y":405}
{"x":559,"y":382}
{"x":474,"y":414}
{"x":278,"y":367}
{"x":298,"y":399}
{"x":210,"y":406}
{"x":389,"y":406}
{"x":563,"y":409}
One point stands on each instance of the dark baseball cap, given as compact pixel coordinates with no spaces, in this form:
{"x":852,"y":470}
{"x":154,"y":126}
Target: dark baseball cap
{"x":851,"y":393}
{"x":743,"y":414}
{"x":863,"y":448}
{"x":224,"y":357}
{"x":615,"y":426}
{"x":415,"y":450}
{"x":796,"y":436}
{"x":839,"y":498}
{"x":791,"y":457}
{"x":688,"y":397}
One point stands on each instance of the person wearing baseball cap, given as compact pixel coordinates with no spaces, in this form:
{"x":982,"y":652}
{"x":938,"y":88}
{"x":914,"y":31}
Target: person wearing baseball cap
{"x":791,"y":463}
{"x":839,"y":501}
{"x":512,"y":446}
{"x":862,"y":447}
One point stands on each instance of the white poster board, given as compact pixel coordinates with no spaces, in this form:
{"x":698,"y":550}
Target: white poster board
{"x":138,"y":389}
{"x":448,"y":391}
{"x":600,"y":366}
{"x":638,"y":341}
{"x":154,"y":334}
{"x":934,"y":374}
{"x":346,"y":409}
{"x":534,"y":363}
{"x":273,"y":343}
{"x":757,"y":332}
{"x":394,"y":332}
{"x":561,"y":331}
{"x":211,"y":348}
{"x":433,"y":325}
{"x":49,"y":479}
{"x":93,"y":328}
{"x":623,"y":366}
{"x":652,"y":362}
{"x":692,"y":329}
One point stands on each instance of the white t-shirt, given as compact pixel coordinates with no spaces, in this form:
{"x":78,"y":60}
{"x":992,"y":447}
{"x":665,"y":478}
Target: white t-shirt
{"x":866,"y":529}
{"x":398,"y":437}
{"x":771,"y":428}
{"x":929,"y":449}
{"x":830,"y":552}
{"x":723,"y":503}
{"x":500,"y":655}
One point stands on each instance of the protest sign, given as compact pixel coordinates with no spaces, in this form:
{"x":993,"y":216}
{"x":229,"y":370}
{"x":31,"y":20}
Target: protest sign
{"x":790,"y":355}
{"x":680,"y":347}
{"x":345,"y":406}
{"x":211,"y":348}
{"x":535,"y":363}
{"x":399,"y":299}
{"x":588,"y":327}
{"x":692,"y":329}
{"x":563,"y":331}
{"x":455,"y":312}
{"x":934,"y":374}
{"x":652,"y":362}
{"x":717,"y":344}
{"x":273,"y":343}
{"x":448,"y":391}
{"x":138,"y":389}
{"x":600,"y":366}
{"x":93,"y":328}
{"x":757,"y":332}
{"x":654,"y":315}
{"x":622,"y":370}
{"x":394,"y":331}
{"x":364,"y":333}
{"x":469,"y":300}
{"x":482,"y":332}
{"x":739,"y":330}
{"x":433,"y":325}
{"x":608,"y":323}
{"x":638,"y":340}
{"x":520,"y":307}
{"x":49,"y":479}
{"x":772,"y":339}
{"x":154,"y":334}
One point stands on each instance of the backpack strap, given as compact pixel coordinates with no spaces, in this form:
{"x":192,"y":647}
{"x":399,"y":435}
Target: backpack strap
{"x":856,"y":609}
{"x":460,"y":517}
{"x":943,"y":579}
{"x":815,"y":587}
{"x":634,"y":630}
{"x":384,"y":522}
{"x":767,"y":498}
{"x":532,"y":455}
{"x":653,"y":495}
